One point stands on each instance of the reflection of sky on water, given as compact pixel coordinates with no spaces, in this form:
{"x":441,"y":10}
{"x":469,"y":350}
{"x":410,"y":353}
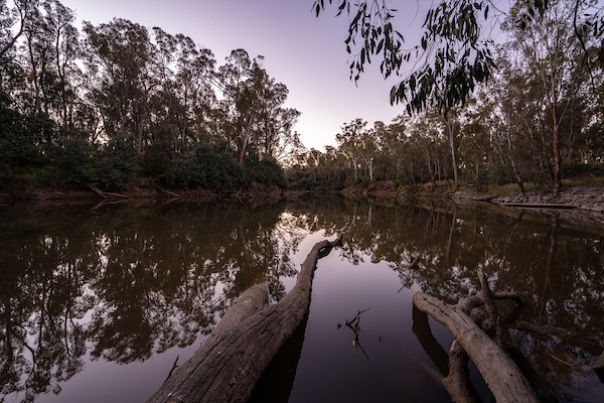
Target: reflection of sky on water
{"x":119,"y":294}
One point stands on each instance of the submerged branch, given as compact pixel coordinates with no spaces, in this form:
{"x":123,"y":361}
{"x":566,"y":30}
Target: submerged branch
{"x":457,"y":382}
{"x":502,"y":375}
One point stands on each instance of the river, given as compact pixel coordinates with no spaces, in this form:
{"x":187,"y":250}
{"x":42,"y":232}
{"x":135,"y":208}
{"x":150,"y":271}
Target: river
{"x":99,"y":303}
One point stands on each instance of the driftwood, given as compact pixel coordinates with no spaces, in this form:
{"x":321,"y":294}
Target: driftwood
{"x":501,"y":374}
{"x":541,"y":205}
{"x":108,"y":195}
{"x":166,"y":191}
{"x":232,"y":359}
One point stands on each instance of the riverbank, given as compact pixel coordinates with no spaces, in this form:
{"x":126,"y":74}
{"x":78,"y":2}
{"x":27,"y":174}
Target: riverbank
{"x":582,"y":195}
{"x":587,"y":195}
{"x":93,"y":193}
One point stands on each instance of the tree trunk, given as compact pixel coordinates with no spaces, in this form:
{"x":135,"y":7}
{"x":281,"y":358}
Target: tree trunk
{"x":452,"y":146}
{"x":519,"y":180}
{"x":430,"y":170}
{"x":245,"y":139}
{"x":230,"y":362}
{"x":139,"y":138}
{"x":557,"y":168}
{"x":61,"y":74}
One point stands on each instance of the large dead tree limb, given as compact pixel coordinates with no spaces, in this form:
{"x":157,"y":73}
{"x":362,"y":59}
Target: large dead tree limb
{"x":501,"y":374}
{"x":252,"y":301}
{"x":453,"y":365}
{"x":229,"y":363}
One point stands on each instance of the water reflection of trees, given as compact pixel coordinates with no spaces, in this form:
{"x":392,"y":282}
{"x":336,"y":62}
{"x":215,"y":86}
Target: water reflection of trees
{"x":126,"y":282}
{"x":559,"y":271}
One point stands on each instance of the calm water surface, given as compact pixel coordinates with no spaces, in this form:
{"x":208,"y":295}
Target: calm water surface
{"x":97,"y":304}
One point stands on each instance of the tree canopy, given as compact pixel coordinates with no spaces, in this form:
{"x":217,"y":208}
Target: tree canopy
{"x":116,"y":104}
{"x":558,"y":44}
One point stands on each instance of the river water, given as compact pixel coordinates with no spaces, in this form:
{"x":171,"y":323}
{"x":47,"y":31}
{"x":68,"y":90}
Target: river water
{"x":98,"y":304}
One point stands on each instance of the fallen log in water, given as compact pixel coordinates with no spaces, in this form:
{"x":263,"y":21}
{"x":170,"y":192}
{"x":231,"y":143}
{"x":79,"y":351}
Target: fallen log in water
{"x":501,"y":374}
{"x":541,"y":205}
{"x":232,"y":359}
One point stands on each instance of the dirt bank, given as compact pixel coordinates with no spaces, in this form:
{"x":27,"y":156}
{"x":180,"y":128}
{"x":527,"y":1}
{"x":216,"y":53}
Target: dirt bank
{"x":588,"y":198}
{"x":95,"y":194}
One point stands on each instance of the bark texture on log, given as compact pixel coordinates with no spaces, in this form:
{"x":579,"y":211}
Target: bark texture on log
{"x":252,"y":301}
{"x":229,"y":363}
{"x":501,"y":374}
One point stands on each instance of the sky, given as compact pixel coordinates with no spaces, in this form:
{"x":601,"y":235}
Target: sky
{"x":304,"y":52}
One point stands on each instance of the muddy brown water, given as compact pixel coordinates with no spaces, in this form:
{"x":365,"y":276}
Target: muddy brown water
{"x":97,"y":304}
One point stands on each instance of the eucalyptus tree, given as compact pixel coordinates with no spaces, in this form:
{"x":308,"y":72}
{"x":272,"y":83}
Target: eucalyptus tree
{"x":277,"y":137}
{"x":550,"y":60}
{"x":476,"y":143}
{"x":195,"y":69}
{"x":253,"y":108}
{"x":39,"y":76}
{"x":451,"y":59}
{"x":59,"y":26}
{"x":118,"y":54}
{"x":370,"y":148}
{"x":349,"y":140}
{"x":182,"y":95}
{"x":455,"y":54}
{"x":37,"y":48}
{"x":15,"y":17}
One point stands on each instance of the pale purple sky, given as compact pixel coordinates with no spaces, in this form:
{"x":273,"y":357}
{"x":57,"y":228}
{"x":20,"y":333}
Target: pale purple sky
{"x":305,"y":53}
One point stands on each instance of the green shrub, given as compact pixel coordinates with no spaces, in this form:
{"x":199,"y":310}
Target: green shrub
{"x":205,"y":167}
{"x":115,"y":166}
{"x":267,"y":172}
{"x":72,"y":155}
{"x":579,"y":169}
{"x":156,"y":163}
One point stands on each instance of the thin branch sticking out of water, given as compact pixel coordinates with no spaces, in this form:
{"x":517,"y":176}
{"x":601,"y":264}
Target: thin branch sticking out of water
{"x":354,"y":324}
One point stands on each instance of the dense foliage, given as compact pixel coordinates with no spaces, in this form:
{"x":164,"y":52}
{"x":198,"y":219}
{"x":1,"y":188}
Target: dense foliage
{"x":540,"y":117}
{"x":117,"y":105}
